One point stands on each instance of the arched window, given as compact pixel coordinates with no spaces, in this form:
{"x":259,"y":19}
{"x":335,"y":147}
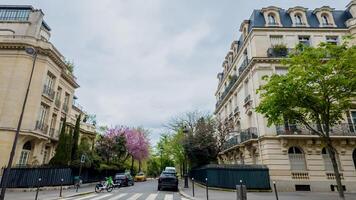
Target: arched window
{"x":271,"y":19}
{"x":327,"y":160}
{"x":325,"y":19}
{"x":296,"y":159}
{"x":25,"y":153}
{"x":298,"y":19}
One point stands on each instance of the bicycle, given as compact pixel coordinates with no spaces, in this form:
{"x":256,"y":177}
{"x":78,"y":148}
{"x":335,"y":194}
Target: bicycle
{"x":105,"y":185}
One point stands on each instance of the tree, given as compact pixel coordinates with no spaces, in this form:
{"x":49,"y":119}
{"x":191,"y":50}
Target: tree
{"x":76,"y":133}
{"x":318,"y":89}
{"x":200,"y":145}
{"x":63,"y":151}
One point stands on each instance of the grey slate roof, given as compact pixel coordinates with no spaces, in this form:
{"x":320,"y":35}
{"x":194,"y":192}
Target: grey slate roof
{"x":340,"y":17}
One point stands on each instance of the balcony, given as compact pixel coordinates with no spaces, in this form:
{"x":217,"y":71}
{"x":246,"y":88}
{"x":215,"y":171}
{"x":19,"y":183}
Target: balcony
{"x":243,"y":66}
{"x":41,"y":127}
{"x":57,"y":103}
{"x":48,"y":91}
{"x":242,"y":136}
{"x":297,"y":129}
{"x":65,"y":107}
{"x":277,"y":52}
{"x":233,"y":80}
{"x":236,"y":110}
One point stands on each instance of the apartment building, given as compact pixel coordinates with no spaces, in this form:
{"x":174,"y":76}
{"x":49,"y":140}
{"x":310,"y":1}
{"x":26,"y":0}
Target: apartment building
{"x":51,"y":93}
{"x":296,"y":159}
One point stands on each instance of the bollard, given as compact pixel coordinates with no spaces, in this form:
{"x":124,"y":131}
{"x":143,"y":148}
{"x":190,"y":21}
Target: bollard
{"x":237,"y":192}
{"x":60,"y":191}
{"x":38,"y":188}
{"x":207,"y":189}
{"x":241,"y":193}
{"x":275,"y":189}
{"x":193,"y":186}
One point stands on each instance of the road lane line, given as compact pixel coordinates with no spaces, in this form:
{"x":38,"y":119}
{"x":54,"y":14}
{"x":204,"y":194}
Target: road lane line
{"x":184,"y":198}
{"x":168,"y":197}
{"x":135,"y":196}
{"x":86,"y":197}
{"x":101,"y":197}
{"x":152,"y":197}
{"x":118,"y":196}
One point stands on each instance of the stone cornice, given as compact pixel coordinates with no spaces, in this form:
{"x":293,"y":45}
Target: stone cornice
{"x":45,"y":50}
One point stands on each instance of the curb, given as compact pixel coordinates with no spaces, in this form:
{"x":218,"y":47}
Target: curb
{"x":185,"y":194}
{"x":64,"y":187}
{"x":74,"y":195}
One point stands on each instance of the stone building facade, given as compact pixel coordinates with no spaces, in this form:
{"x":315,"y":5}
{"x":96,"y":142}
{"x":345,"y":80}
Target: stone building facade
{"x":50,"y":95}
{"x":297,"y":160}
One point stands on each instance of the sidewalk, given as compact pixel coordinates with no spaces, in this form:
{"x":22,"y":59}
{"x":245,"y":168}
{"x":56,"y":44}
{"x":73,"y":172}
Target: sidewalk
{"x":49,"y":194}
{"x":200,"y":194}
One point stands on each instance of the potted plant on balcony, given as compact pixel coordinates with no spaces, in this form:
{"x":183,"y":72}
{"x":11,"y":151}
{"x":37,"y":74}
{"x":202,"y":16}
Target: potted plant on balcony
{"x":279,"y":50}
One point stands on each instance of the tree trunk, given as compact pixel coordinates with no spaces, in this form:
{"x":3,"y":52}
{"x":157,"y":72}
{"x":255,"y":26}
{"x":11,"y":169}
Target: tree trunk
{"x":132,"y":165}
{"x":139,"y":166}
{"x":331,"y":152}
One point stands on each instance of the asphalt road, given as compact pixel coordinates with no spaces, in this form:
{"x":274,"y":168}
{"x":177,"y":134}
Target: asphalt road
{"x":140,"y":191}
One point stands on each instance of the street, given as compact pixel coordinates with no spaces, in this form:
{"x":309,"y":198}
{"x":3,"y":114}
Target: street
{"x":140,"y":191}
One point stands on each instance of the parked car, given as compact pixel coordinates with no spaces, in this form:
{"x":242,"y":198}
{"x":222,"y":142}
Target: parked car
{"x":124,"y":179}
{"x":171,"y":169}
{"x":140,"y":177}
{"x":168,"y":180}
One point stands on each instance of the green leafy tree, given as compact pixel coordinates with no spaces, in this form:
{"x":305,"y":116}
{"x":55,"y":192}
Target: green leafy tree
{"x":63,"y":151}
{"x":76,"y":133}
{"x":316,"y":91}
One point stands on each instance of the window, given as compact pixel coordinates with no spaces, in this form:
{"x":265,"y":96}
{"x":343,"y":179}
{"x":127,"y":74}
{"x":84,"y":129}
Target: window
{"x":276,"y":39}
{"x":42,"y":117}
{"x":327,"y":160}
{"x":325,"y":19}
{"x":332,"y":39}
{"x":48,"y":86}
{"x":14,"y":15}
{"x":298,"y":19}
{"x":351,"y":120}
{"x":297,"y":159}
{"x":66,"y":102}
{"x":271,"y":19}
{"x":304,"y":40}
{"x":25,"y":154}
{"x":281,"y":70}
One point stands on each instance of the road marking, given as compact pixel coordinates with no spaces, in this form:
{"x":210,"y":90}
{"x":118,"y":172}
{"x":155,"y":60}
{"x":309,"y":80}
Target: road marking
{"x":184,"y":198}
{"x":118,"y":196}
{"x":86,"y":197}
{"x":168,"y":197}
{"x":135,"y":196}
{"x":152,"y":197}
{"x":101,"y":197}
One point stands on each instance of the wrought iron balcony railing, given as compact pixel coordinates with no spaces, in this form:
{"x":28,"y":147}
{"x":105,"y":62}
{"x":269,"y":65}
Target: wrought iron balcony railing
{"x":277,"y":52}
{"x":41,"y":127}
{"x":343,"y":129}
{"x":240,"y":137}
{"x":48,"y":91}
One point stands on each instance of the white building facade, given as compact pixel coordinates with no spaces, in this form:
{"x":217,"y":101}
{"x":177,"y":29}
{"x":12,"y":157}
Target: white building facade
{"x":296,"y":159}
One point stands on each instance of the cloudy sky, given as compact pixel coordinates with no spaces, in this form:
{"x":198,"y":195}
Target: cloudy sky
{"x":140,"y":62}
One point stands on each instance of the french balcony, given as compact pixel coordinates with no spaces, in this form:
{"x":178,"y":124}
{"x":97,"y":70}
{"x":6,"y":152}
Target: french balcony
{"x":48,"y":91}
{"x":274,"y":52}
{"x":40,"y":126}
{"x":240,"y":137}
{"x":343,"y":129}
{"x":65,"y":107}
{"x":236,"y":110}
{"x":57,"y":103}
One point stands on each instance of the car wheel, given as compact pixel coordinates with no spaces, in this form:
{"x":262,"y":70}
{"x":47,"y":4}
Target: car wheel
{"x":159,"y":188}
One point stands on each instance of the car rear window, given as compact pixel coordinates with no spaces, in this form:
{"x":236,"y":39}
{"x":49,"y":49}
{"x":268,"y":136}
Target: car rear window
{"x":120,"y":176}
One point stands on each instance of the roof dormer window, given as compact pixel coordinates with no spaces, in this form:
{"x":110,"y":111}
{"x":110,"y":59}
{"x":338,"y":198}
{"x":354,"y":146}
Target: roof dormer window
{"x":271,"y":19}
{"x":325,"y":16}
{"x":298,"y":19}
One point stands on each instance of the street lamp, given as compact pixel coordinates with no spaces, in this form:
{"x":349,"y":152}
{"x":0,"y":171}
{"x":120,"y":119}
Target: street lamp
{"x":30,"y":51}
{"x":185,"y":168}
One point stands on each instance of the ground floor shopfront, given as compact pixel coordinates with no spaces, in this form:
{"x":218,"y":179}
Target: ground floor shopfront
{"x":298,"y":162}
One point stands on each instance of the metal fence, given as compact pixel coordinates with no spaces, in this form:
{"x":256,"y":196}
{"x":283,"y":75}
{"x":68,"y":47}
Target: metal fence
{"x":24,"y":177}
{"x":255,"y":177}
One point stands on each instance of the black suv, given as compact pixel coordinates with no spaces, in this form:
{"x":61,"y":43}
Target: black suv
{"x":168,"y":180}
{"x":124,"y":179}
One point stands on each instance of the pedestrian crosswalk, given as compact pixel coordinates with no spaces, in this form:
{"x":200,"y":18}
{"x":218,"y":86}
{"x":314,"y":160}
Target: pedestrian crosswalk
{"x":130,"y":196}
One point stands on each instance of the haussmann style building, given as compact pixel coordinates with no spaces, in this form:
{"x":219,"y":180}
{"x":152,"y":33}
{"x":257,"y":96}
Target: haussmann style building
{"x":51,"y":95}
{"x":296,"y":159}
